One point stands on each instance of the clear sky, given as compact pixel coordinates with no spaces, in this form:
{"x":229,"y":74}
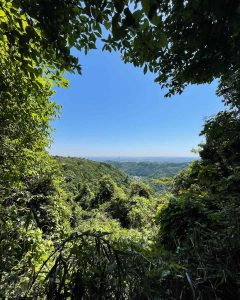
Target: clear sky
{"x":113,"y":109}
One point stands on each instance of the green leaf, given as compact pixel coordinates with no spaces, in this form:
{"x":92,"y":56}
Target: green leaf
{"x":163,"y":40}
{"x":146,"y":6}
{"x":2,"y":13}
{"x":145,"y":24}
{"x":107,"y":25}
{"x":155,"y":20}
{"x":145,"y":69}
{"x":119,"y":5}
{"x":117,"y":31}
{"x":137,"y":15}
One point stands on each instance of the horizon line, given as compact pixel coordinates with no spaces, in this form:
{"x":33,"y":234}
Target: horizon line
{"x":141,"y":156}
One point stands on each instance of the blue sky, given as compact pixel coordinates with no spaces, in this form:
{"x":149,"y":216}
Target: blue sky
{"x":113,"y":109}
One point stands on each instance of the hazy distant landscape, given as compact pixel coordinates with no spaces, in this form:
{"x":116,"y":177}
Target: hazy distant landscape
{"x":80,"y":171}
{"x":159,"y":159}
{"x":149,"y":169}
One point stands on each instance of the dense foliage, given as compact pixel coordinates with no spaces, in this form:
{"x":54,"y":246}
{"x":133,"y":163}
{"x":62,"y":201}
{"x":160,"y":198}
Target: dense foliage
{"x":181,"y":41}
{"x":79,"y":172}
{"x":200,"y":226}
{"x":149,"y":169}
{"x":114,"y":239}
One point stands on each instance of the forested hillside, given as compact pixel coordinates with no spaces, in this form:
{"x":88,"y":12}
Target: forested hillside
{"x":79,"y":172}
{"x":151,"y":172}
{"x":149,"y":169}
{"x":113,"y":240}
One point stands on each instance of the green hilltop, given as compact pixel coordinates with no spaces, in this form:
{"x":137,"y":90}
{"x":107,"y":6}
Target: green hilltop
{"x":80,"y":171}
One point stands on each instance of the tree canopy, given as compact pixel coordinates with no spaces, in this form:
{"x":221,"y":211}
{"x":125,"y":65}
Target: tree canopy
{"x":182,"y":42}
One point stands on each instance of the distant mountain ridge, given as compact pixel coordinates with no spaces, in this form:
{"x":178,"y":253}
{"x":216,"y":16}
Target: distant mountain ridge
{"x":159,"y":159}
{"x":150,"y":169}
